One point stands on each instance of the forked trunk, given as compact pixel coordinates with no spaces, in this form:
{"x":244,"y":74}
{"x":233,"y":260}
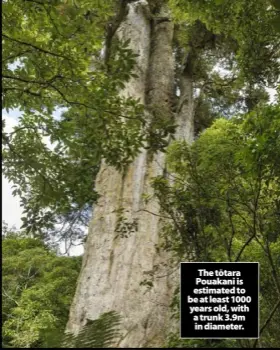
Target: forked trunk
{"x":114,"y":266}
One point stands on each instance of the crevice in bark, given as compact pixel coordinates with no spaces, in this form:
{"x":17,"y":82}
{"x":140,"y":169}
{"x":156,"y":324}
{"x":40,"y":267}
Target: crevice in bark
{"x":159,"y":86}
{"x":112,"y":28}
{"x":185,"y":107}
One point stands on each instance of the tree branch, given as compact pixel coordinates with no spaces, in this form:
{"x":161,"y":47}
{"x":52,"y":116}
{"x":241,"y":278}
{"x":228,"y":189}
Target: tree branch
{"x":277,"y":305}
{"x":8,"y":296}
{"x":35,"y":47}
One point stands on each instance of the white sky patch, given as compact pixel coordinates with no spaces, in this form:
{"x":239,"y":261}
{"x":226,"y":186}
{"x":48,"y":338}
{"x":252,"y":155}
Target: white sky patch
{"x":272,"y":94}
{"x":11,"y":209}
{"x":73,"y":251}
{"x":222,"y":71}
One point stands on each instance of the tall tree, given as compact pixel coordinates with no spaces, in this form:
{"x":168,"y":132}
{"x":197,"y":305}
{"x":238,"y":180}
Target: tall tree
{"x":121,"y":245}
{"x":167,"y":68}
{"x":173,"y":60}
{"x":224,"y":206}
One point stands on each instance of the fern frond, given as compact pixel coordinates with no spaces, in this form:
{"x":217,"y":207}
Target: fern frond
{"x":100,"y":333}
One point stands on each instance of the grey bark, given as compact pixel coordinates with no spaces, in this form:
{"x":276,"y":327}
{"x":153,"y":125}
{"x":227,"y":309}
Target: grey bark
{"x":185,"y":109}
{"x":113,"y":267}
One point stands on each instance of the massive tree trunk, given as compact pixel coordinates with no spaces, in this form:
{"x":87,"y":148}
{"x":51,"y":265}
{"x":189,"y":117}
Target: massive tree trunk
{"x":113,"y":265}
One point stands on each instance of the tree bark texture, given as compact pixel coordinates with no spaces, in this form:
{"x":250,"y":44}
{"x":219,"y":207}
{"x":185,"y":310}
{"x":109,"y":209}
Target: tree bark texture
{"x":114,"y":266}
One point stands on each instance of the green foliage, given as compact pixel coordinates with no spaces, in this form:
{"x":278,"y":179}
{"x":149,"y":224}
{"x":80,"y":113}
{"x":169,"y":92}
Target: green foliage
{"x":224,"y":205}
{"x":248,"y":24}
{"x":52,"y":61}
{"x":231,"y":50}
{"x":174,"y":341}
{"x":124,"y":227}
{"x":100,"y":333}
{"x":38,"y":287}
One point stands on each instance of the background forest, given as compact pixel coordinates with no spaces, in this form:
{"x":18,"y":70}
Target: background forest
{"x":219,"y":195}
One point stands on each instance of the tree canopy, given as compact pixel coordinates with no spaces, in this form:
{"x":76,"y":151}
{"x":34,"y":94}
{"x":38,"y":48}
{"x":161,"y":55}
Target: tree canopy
{"x":63,"y":56}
